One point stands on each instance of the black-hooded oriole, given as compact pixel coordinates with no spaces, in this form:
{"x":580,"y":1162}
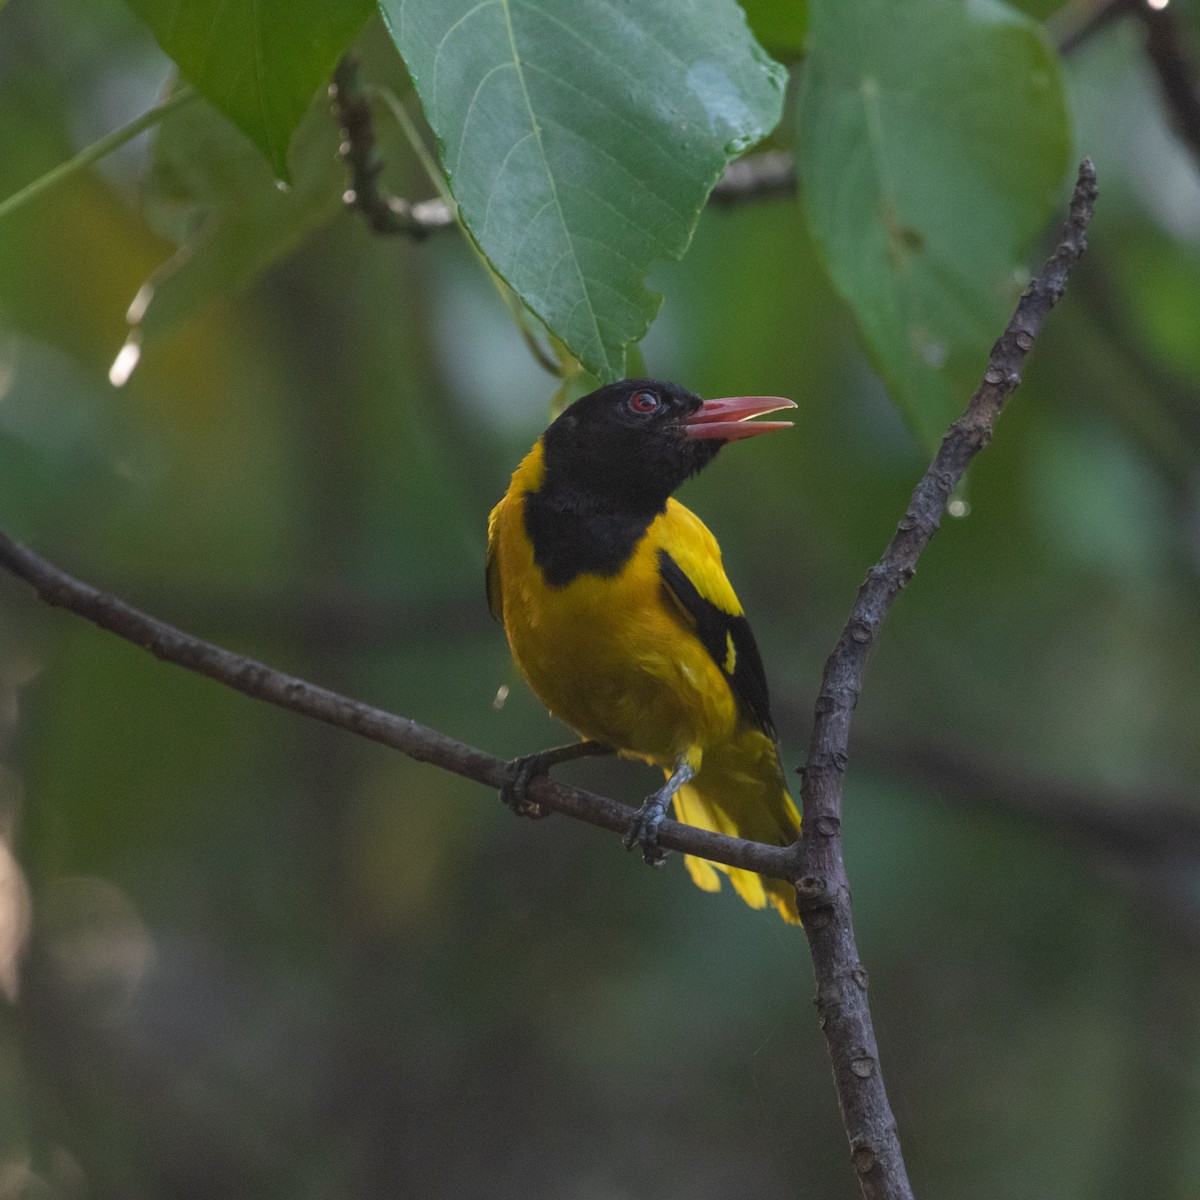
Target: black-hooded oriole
{"x":620,"y":616}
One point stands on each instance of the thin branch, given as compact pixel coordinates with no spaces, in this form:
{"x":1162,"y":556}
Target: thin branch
{"x":1146,"y":829}
{"x":1141,"y":827}
{"x":261,"y":682}
{"x":1173,"y":64}
{"x":758,"y":177}
{"x":1147,"y":843}
{"x":97,"y":150}
{"x":1084,"y":29}
{"x":1167,"y":50}
{"x":383,"y":212}
{"x":1162,"y":416}
{"x":412,"y":135}
{"x":823,"y":891}
{"x":388,"y":214}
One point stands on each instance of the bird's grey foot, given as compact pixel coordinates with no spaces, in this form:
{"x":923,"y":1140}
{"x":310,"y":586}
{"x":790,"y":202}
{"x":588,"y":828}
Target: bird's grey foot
{"x":643,"y":829}
{"x":521,"y":772}
{"x":514,"y":791}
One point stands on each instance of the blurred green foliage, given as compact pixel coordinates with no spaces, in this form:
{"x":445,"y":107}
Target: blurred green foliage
{"x":932,"y":140}
{"x":268,"y":960}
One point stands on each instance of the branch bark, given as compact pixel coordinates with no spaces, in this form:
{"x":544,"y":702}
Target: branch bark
{"x":383,"y":212}
{"x":823,"y":890}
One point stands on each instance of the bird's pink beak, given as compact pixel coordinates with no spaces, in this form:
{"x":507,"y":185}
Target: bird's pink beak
{"x":728,"y":419}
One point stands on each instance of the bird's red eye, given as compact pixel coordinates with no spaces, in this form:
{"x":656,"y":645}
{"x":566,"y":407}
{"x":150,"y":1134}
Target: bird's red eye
{"x":644,"y":402}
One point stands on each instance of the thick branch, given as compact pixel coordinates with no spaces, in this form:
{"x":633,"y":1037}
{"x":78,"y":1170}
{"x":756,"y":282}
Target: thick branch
{"x":823,"y":891}
{"x":418,"y":741}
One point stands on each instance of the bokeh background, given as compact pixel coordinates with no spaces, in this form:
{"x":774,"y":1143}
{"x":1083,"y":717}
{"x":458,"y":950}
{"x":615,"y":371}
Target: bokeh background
{"x":261,"y":958}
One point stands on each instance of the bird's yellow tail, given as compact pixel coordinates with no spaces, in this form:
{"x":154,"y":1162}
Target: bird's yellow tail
{"x":739,"y":791}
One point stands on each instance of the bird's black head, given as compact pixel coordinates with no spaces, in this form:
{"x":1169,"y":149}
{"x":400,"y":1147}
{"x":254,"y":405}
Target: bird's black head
{"x":631,"y":444}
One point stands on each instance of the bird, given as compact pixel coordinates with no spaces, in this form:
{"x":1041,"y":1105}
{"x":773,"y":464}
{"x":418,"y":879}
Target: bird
{"x":621,"y":619}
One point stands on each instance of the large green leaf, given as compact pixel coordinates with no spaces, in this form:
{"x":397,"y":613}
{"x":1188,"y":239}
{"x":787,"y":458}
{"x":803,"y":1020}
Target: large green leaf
{"x":259,"y":62}
{"x":581,"y":141}
{"x":932,"y":140}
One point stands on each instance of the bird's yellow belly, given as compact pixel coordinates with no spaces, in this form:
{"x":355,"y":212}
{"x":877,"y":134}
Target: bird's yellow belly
{"x":606,"y":657}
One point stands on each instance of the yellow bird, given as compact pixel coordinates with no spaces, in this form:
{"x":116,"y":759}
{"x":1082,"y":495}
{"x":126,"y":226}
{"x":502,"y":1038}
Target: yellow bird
{"x":620,"y":617}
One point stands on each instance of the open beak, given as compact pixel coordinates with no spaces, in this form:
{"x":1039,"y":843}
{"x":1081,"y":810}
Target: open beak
{"x":729,"y":419}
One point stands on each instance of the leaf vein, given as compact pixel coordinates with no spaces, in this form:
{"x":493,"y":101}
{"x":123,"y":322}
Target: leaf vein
{"x":550,"y":174}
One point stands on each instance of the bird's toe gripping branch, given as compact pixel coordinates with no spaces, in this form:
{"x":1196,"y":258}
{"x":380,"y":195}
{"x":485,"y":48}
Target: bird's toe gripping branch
{"x":521,"y":772}
{"x":643,"y":829}
{"x":518,"y":774}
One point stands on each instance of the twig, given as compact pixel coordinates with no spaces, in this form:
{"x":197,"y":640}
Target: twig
{"x":384,"y":213}
{"x":1165,"y":47}
{"x":1147,"y":842}
{"x":823,"y":891}
{"x":419,"y":742}
{"x":1083,"y":30}
{"x":97,"y":150}
{"x":390,"y":214}
{"x":1146,"y":829}
{"x":758,"y":177}
{"x":1141,"y":827}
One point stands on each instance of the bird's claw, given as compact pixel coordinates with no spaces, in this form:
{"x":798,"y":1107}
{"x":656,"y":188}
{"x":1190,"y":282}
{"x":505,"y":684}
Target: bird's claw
{"x":643,"y":831}
{"x":518,"y":775}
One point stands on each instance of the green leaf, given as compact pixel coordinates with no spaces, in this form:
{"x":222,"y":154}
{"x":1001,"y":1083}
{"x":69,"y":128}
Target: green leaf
{"x":261,"y":62}
{"x":581,"y":141}
{"x":933,"y":137}
{"x":212,"y":192}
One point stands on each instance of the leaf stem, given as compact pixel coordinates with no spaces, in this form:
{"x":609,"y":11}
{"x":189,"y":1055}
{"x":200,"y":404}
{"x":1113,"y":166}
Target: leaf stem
{"x":413,"y":134}
{"x":515,"y":308}
{"x":96,"y":151}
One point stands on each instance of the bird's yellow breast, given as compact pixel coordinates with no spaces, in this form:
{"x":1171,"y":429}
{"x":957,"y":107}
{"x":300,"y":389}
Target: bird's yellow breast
{"x":613,"y":656}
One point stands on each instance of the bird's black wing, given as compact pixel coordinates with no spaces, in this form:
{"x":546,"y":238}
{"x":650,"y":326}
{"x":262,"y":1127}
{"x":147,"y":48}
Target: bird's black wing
{"x":728,"y":639}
